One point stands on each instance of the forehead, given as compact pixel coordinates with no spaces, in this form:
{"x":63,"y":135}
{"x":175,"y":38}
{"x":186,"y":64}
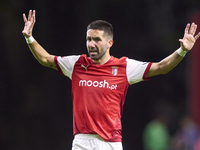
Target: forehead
{"x":94,"y":33}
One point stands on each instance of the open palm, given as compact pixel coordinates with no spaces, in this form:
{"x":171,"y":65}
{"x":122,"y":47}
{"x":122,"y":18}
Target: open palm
{"x":29,"y":23}
{"x":189,"y":39}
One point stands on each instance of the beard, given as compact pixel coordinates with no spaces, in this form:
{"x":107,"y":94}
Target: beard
{"x":95,"y":53}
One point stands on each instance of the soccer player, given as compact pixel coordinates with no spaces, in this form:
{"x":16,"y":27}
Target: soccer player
{"x":100,"y":82}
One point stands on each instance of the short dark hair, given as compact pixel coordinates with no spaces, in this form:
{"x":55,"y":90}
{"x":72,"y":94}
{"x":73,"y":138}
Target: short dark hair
{"x":101,"y":25}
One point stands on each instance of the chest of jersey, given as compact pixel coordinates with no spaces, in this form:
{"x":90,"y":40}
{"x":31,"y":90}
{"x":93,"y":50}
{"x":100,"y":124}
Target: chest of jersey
{"x":101,"y":78}
{"x":99,"y":85}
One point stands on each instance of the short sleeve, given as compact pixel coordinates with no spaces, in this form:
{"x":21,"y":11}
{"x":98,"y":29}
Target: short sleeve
{"x":65,"y":65}
{"x":137,"y":70}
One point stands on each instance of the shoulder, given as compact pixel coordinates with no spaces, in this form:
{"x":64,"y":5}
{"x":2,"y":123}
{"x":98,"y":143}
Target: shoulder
{"x":83,"y":59}
{"x":68,"y":58}
{"x":118,"y":59}
{"x":121,"y":60}
{"x":128,"y":61}
{"x":136,"y":62}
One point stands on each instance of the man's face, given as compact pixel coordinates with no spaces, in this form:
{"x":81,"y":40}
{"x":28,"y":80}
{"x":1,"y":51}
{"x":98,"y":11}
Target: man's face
{"x":97,"y":44}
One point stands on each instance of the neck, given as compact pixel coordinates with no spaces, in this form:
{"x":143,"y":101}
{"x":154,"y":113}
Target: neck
{"x":102,"y":60}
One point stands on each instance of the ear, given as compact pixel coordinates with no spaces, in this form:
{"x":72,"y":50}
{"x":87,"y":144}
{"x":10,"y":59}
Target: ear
{"x":110,"y":43}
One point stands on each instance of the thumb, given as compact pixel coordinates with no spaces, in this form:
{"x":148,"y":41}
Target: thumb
{"x":181,"y":40}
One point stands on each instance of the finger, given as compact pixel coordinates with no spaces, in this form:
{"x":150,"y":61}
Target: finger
{"x":29,"y":15}
{"x":24,"y":17}
{"x":193,"y":29}
{"x":197,"y":36}
{"x":33,"y":16}
{"x":187,"y":28}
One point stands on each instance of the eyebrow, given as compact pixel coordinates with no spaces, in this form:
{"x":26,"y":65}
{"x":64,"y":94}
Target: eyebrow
{"x":94,"y":38}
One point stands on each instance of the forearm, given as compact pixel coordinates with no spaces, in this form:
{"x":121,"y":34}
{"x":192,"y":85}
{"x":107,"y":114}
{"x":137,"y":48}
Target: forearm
{"x":41,"y":54}
{"x":165,"y":65}
{"x":168,"y":63}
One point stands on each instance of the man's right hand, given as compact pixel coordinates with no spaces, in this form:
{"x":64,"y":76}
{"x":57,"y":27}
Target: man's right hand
{"x":28,"y":27}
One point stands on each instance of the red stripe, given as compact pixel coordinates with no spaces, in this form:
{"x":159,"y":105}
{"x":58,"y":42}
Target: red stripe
{"x":56,"y":62}
{"x":194,"y":76}
{"x":146,"y":72}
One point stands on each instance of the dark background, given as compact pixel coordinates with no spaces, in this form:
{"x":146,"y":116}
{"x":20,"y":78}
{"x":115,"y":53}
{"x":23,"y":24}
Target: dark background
{"x":35,"y":102}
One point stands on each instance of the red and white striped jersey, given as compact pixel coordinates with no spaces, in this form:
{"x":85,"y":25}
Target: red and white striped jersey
{"x":99,"y":92}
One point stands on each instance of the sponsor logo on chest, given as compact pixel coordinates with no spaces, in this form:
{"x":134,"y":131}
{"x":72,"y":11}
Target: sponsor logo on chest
{"x":100,"y":84}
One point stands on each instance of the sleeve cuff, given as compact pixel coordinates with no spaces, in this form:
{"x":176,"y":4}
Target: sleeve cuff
{"x":146,"y":72}
{"x":57,"y":65}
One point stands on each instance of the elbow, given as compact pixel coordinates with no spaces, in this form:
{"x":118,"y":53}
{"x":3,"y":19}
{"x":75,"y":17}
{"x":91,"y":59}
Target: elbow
{"x":161,"y":70}
{"x":43,"y":63}
{"x":46,"y":62}
{"x":164,"y":71}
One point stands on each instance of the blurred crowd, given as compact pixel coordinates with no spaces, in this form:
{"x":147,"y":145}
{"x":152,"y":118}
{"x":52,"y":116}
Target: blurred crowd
{"x":156,"y":135}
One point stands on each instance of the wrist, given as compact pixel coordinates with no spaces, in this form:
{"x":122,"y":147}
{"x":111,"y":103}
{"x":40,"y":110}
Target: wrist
{"x":181,"y":52}
{"x":30,"y":39}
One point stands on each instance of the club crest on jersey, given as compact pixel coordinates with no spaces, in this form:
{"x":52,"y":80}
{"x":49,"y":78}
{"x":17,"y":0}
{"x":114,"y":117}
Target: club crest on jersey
{"x":114,"y":70}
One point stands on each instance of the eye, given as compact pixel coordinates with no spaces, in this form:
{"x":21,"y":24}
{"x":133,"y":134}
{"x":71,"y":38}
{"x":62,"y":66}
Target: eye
{"x":88,"y":38}
{"x":97,"y":39}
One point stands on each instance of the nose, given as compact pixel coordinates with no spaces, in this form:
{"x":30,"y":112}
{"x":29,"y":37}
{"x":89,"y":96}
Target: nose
{"x":91,"y":43}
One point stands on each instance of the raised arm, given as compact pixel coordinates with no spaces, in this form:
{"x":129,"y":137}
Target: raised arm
{"x":168,"y":63}
{"x":37,"y":50}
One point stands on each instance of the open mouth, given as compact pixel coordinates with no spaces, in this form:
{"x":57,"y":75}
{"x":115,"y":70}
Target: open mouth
{"x":93,"y":52}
